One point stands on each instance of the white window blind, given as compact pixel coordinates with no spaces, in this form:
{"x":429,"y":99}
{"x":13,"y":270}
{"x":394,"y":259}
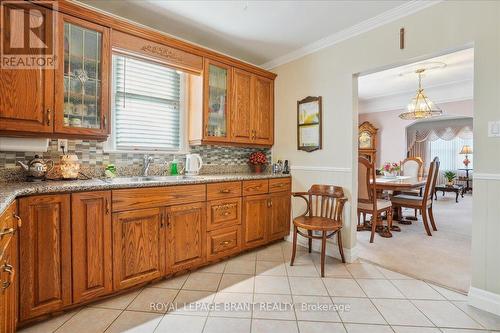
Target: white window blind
{"x":147,"y":101}
{"x":448,"y":153}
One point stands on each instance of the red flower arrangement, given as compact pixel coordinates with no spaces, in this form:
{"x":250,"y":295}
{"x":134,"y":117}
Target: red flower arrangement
{"x":257,"y":161}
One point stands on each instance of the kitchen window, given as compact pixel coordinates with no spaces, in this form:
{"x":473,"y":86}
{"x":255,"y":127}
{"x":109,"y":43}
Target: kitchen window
{"x":148,"y":106}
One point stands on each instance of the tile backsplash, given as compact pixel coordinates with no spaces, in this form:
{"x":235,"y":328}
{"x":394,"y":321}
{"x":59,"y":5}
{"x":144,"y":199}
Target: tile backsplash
{"x":94,"y":159}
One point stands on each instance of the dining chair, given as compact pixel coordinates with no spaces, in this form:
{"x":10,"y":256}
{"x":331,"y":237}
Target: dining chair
{"x":368,"y":202}
{"x":423,"y":203}
{"x":413,"y":167}
{"x":324,"y":214}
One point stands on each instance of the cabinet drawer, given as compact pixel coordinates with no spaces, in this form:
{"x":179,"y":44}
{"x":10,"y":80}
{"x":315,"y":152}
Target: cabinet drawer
{"x":9,"y":223}
{"x":223,"y":242}
{"x":279,"y":185}
{"x":252,"y":187}
{"x":223,"y":190}
{"x":138,"y":198}
{"x":223,"y":213}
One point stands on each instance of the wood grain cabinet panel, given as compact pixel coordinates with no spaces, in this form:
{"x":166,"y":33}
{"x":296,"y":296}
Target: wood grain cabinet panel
{"x":223,"y":190}
{"x":223,"y":213}
{"x":186,"y":234}
{"x":45,"y":249}
{"x":255,"y":220}
{"x":137,"y":198}
{"x":280,"y":185}
{"x":279,"y":224}
{"x":91,"y":245}
{"x":223,"y":242}
{"x":138,"y":247}
{"x":263,"y":111}
{"x":8,"y":270}
{"x":242,"y":108}
{"x":253,"y":187}
{"x":26,"y":95}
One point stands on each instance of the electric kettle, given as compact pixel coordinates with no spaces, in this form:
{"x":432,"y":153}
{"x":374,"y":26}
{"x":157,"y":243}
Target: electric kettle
{"x":193,"y":164}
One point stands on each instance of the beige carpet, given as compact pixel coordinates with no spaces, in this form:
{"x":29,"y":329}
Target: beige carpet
{"x":444,"y":258}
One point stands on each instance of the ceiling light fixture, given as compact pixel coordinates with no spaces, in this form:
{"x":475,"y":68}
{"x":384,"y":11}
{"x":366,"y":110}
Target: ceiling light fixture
{"x":420,"y":107}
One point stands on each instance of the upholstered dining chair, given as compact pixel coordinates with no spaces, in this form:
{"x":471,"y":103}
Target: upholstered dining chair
{"x":413,"y":167}
{"x":423,"y":203}
{"x":324,"y":214}
{"x":368,"y":203}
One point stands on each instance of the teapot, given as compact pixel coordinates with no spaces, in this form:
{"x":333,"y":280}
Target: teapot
{"x":37,"y":168}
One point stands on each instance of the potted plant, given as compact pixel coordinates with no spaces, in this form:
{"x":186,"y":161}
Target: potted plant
{"x":450,"y":177}
{"x":257,"y":161}
{"x":390,"y":169}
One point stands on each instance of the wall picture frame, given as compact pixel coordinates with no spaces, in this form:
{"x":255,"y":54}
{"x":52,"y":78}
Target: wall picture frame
{"x":309,"y":124}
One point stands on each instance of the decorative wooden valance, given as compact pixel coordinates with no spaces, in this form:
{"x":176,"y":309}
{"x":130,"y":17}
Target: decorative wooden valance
{"x":170,"y":56}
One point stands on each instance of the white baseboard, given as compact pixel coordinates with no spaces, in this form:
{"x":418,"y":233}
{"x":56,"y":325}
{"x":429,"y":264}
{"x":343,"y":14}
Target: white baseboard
{"x":484,"y":300}
{"x":332,"y":249}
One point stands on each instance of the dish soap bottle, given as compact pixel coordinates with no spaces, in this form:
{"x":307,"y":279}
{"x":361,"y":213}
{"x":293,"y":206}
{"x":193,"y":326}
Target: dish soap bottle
{"x":173,"y":167}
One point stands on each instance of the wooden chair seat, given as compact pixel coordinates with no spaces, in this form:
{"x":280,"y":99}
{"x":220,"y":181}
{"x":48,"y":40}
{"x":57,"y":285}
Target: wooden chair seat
{"x":317,"y":223}
{"x":381,"y":205}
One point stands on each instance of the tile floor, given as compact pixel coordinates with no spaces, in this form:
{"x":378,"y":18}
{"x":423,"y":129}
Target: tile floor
{"x":259,"y":292}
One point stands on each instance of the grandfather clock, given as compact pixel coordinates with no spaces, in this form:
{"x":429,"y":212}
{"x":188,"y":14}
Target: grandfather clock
{"x":367,"y":141}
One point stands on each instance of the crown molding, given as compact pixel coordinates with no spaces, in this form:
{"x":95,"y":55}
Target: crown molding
{"x":394,"y":14}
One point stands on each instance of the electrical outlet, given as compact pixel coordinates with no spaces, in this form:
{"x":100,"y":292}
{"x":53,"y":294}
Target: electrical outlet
{"x":62,"y":143}
{"x":494,"y":129}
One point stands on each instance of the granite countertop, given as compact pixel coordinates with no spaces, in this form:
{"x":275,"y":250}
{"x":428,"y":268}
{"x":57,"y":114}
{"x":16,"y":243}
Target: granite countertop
{"x":9,"y":191}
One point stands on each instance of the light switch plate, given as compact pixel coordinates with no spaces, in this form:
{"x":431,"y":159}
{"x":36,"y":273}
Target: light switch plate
{"x":494,"y":129}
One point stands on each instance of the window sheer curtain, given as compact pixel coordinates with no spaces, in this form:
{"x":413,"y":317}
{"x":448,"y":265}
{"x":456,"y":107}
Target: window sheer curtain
{"x":443,"y":138}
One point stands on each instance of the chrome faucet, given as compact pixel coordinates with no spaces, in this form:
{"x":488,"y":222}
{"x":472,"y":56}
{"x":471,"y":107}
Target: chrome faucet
{"x":147,"y":160}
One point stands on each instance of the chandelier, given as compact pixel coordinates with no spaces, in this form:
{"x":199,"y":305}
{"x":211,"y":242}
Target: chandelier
{"x":420,"y":106}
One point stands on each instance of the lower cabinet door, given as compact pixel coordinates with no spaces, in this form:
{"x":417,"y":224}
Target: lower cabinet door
{"x":223,"y":242}
{"x":8,"y":289}
{"x":186,"y":234}
{"x":91,"y":245}
{"x":279,"y":224}
{"x":255,"y":220}
{"x":138,"y":247}
{"x":45,"y":254}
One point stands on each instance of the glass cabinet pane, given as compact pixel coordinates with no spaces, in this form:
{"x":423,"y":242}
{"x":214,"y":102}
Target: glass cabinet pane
{"x":82,"y":77}
{"x":217,"y":101}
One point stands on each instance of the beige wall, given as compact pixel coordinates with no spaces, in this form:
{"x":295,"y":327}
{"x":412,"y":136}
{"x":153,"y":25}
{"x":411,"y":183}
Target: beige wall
{"x":449,"y":25}
{"x":391,"y":139}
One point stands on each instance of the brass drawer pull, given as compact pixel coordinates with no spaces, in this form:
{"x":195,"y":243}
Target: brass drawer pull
{"x":19,"y":221}
{"x":226,"y":190}
{"x":5,"y":232}
{"x":49,"y":118}
{"x":226,"y":213}
{"x":224,"y":243}
{"x":10,"y":270}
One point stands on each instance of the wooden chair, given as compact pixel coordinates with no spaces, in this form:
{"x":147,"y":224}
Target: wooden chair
{"x":325,"y":205}
{"x":424,"y":203}
{"x":413,"y":167}
{"x":368,"y":203}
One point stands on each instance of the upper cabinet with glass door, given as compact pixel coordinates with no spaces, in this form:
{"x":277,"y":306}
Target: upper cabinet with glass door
{"x":217,"y":82}
{"x":82,"y":105}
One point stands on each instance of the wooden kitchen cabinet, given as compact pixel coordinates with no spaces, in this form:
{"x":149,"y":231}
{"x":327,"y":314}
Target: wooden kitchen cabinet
{"x":242,"y":107}
{"x":138,"y":247}
{"x":263,"y":111}
{"x":82,"y":78}
{"x":186,"y":236}
{"x":279,"y":224}
{"x":45,"y":249}
{"x":26,"y":95}
{"x":9,"y":225}
{"x":91,"y":245}
{"x":255,"y":220}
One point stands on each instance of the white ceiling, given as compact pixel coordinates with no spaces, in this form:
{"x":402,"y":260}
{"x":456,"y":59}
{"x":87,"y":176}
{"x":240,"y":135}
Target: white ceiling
{"x":254,"y":31}
{"x":393,"y":88}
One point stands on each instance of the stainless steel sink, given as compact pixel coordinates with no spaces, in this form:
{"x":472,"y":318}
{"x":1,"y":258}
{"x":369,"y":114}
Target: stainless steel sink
{"x":144,"y":179}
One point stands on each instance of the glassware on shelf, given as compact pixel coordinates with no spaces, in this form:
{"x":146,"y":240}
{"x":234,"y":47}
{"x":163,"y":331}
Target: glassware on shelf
{"x":82,"y":77}
{"x":217,"y":97}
